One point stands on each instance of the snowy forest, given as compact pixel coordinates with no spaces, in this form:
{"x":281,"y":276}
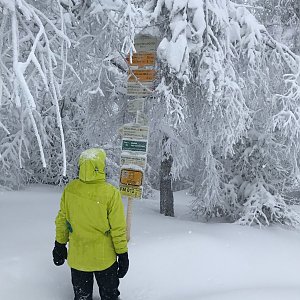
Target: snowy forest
{"x":224,"y":115}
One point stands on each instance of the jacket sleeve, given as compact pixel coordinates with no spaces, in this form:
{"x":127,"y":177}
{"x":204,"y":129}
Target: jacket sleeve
{"x":117,"y":222}
{"x":62,"y":232}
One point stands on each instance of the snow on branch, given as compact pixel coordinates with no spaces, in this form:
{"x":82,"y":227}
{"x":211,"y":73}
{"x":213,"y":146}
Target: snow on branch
{"x":221,"y":56}
{"x":263,"y":208}
{"x":4,"y":127}
{"x":40,"y":61}
{"x":174,"y":105}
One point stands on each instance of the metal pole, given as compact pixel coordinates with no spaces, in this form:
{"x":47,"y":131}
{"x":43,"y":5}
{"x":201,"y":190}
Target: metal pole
{"x":129,"y":217}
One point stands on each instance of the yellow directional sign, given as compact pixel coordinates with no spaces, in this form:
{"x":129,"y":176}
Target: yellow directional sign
{"x":142,"y":59}
{"x":130,"y":191}
{"x":131,"y":177}
{"x":142,"y":75}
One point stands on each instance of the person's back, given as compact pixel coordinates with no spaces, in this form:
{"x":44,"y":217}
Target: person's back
{"x":91,"y":219}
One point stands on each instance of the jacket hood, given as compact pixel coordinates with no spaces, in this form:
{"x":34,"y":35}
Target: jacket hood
{"x":92,"y":165}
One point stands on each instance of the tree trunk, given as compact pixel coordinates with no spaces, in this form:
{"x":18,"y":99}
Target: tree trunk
{"x":166,"y":193}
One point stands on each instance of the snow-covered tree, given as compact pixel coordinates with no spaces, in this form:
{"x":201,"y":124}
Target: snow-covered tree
{"x":224,"y":114}
{"x":32,"y":49}
{"x":281,"y":18}
{"x":41,"y":89}
{"x":218,"y":60}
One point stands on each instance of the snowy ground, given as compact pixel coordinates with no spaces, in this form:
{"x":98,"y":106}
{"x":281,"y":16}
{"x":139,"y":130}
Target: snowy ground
{"x":171,"y":258}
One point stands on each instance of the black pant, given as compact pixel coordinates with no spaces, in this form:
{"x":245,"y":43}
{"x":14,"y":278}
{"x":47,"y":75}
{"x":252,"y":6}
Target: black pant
{"x":107,"y":280}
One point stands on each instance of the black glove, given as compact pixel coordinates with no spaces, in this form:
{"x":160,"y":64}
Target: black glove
{"x":59,"y":253}
{"x":123,"y":263}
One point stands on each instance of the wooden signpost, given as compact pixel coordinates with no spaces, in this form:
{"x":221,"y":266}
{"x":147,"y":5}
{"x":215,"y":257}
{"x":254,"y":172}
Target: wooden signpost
{"x":140,"y":84}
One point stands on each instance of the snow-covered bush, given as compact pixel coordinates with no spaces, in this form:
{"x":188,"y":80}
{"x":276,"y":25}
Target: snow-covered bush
{"x":256,"y":180}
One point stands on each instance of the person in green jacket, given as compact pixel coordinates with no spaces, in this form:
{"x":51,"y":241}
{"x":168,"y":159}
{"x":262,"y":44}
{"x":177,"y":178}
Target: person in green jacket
{"x":91,"y":220}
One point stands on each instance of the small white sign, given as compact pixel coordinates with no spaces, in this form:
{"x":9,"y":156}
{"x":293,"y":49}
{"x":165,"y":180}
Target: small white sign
{"x":145,"y":43}
{"x":137,"y":160}
{"x":138,"y":89}
{"x":135,"y":132}
{"x":136,"y":104}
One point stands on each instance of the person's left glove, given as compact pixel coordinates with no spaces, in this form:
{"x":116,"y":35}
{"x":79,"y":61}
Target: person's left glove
{"x":123,"y":264}
{"x":59,"y":253}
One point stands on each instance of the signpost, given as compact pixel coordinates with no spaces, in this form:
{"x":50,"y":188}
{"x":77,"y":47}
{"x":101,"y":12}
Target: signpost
{"x":140,"y":84}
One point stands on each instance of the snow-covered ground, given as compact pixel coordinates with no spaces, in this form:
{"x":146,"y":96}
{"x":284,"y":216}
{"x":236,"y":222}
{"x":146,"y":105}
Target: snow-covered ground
{"x":170,"y":258}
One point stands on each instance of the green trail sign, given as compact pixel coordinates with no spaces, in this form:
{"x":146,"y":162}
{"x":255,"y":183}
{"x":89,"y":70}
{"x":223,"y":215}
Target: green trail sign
{"x":132,"y":145}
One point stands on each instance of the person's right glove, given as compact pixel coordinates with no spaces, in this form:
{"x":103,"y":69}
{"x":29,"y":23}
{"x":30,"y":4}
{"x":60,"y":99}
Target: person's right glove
{"x":123,"y":264}
{"x":59,"y":253}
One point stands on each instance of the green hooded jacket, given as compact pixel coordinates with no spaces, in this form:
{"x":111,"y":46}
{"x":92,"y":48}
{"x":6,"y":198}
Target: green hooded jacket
{"x":91,"y":217}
